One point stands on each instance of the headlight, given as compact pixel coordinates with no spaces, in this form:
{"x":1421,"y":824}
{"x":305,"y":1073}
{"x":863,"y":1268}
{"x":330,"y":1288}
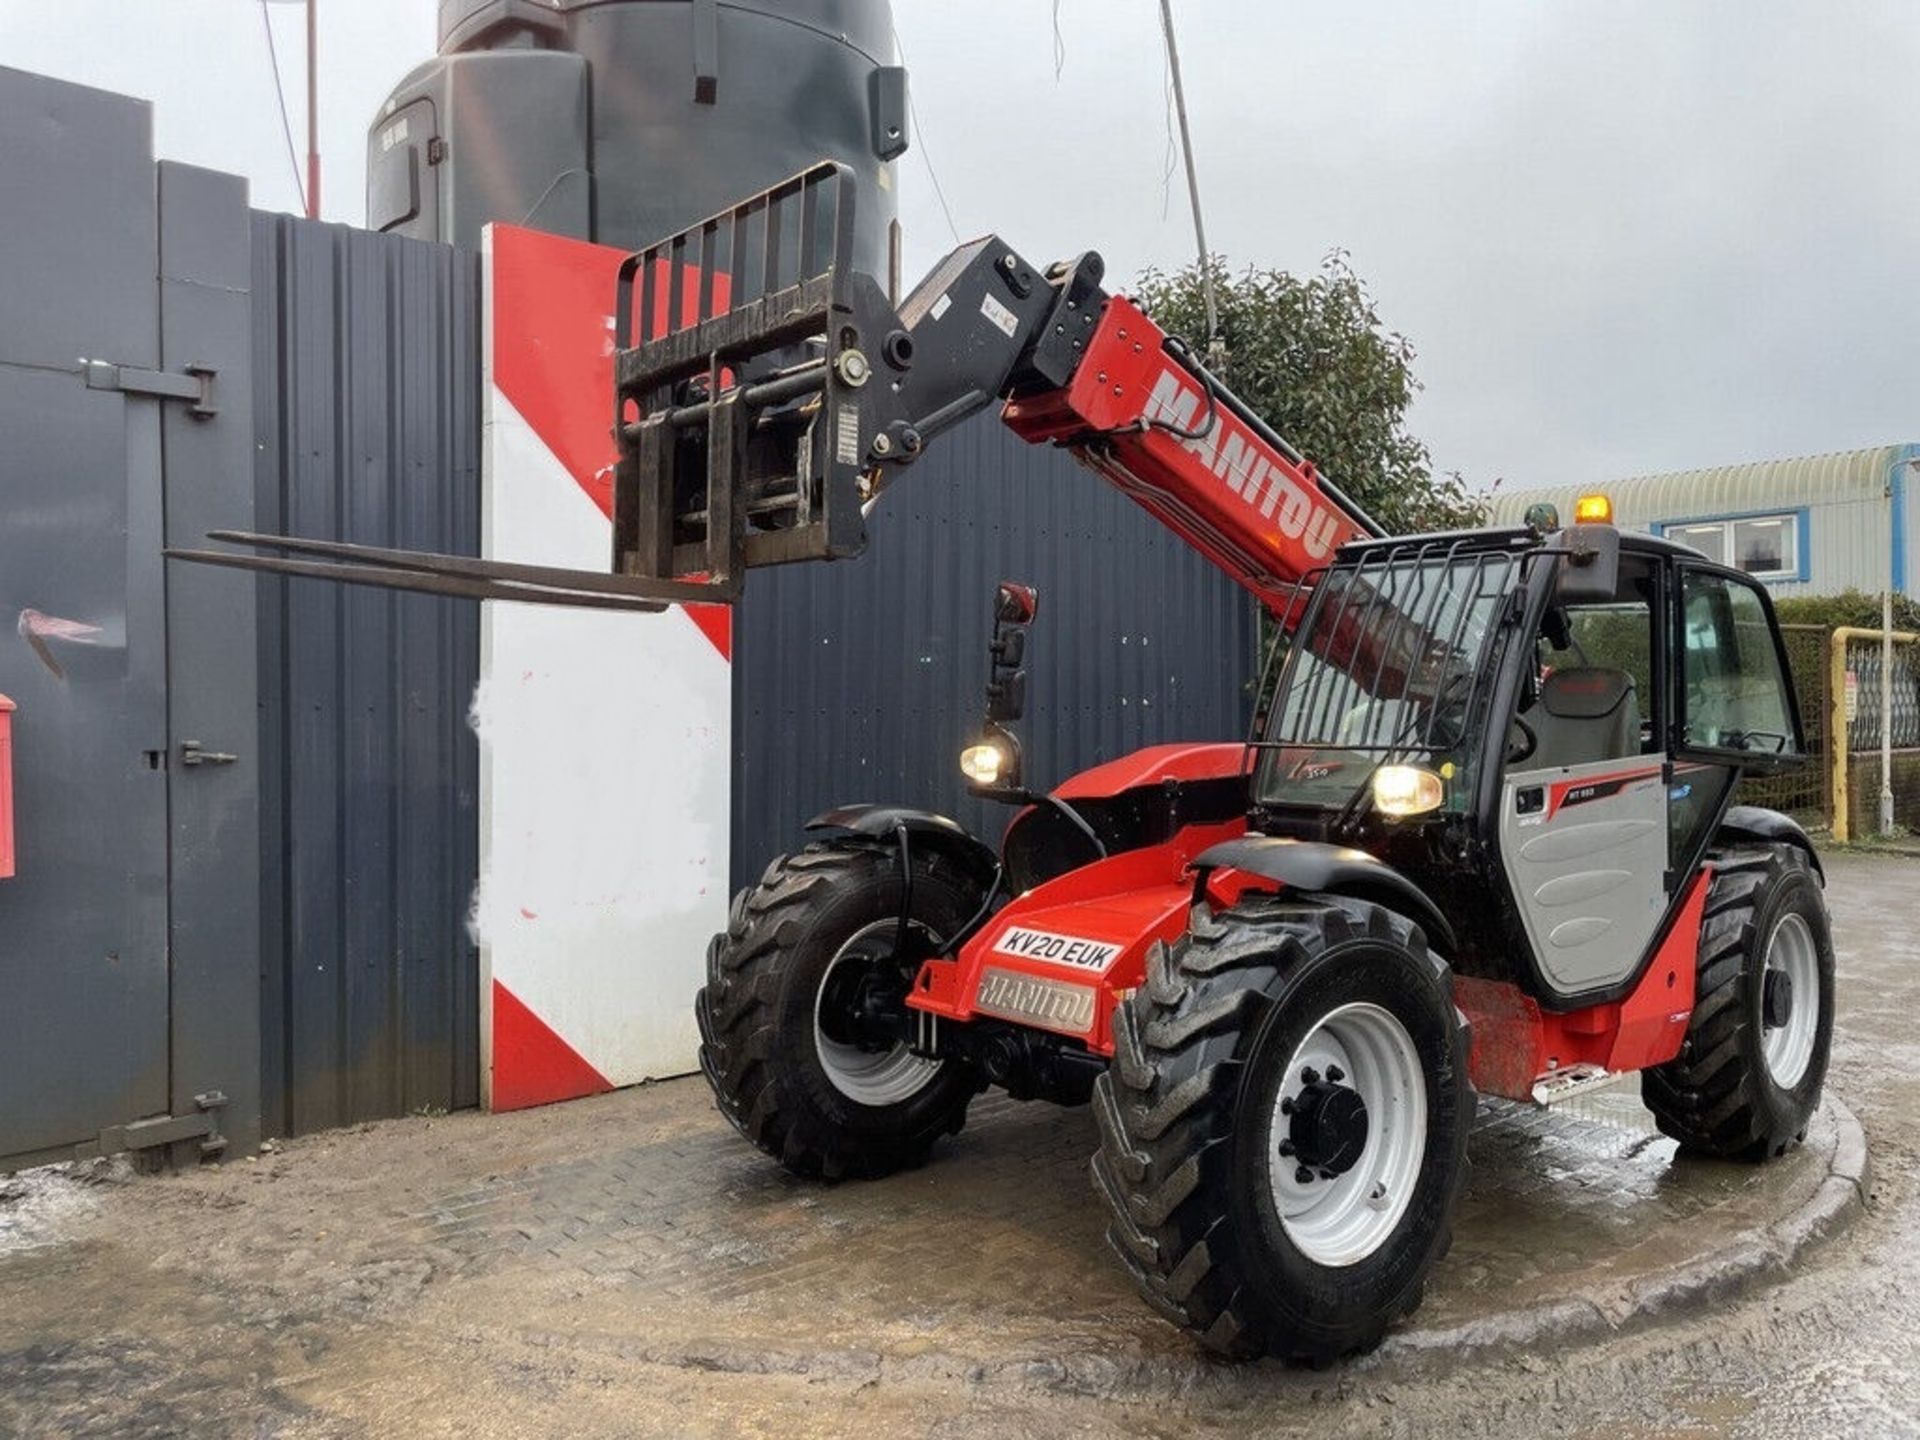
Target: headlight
{"x":1400,"y":790}
{"x":983,"y":763}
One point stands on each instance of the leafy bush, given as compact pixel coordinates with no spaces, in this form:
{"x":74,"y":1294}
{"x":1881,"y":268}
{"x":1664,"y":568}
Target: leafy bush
{"x":1849,"y":607}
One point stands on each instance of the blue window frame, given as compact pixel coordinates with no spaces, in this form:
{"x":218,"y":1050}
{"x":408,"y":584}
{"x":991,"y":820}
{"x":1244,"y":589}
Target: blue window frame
{"x":1767,"y":544}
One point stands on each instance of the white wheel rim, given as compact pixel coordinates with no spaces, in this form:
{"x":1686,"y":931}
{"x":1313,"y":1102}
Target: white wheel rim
{"x":1788,"y":1048}
{"x":1343,"y":1220}
{"x":869,"y":1077}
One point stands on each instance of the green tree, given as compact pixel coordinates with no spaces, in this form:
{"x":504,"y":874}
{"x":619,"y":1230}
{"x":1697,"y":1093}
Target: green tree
{"x":1312,"y":359}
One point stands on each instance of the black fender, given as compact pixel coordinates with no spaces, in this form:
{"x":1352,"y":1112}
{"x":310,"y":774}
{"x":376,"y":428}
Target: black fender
{"x":925,"y":831}
{"x":1755,"y":822}
{"x":1313,"y":866}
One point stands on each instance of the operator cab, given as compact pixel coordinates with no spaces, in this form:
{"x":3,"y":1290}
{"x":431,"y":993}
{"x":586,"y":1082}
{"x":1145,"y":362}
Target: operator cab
{"x":1574,"y":703}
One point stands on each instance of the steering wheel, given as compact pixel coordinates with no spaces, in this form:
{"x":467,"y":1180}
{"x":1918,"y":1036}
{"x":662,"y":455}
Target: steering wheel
{"x":1528,"y":743}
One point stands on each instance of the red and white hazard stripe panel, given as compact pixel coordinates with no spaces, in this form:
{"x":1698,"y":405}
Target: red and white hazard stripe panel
{"x":605,"y":736}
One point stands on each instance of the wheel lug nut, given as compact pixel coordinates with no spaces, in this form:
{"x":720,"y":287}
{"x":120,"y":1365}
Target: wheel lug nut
{"x":1286,"y":1105}
{"x":1336,"y":1074}
{"x":1309,"y":1076}
{"x":1303,"y":1175}
{"x":1286,"y":1147}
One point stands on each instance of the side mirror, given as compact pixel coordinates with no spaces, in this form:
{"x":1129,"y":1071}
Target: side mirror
{"x":993,"y":765}
{"x":1015,"y":604}
{"x":1007,"y":696}
{"x":1014,"y":607}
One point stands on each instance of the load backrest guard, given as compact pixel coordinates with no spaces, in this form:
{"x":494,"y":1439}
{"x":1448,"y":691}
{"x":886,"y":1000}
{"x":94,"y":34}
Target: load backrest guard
{"x":773,"y":391}
{"x":736,"y":408}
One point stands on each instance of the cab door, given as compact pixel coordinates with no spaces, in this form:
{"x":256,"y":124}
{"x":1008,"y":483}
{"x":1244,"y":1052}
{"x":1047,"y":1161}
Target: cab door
{"x":1734,"y":706}
{"x":1584,"y":798}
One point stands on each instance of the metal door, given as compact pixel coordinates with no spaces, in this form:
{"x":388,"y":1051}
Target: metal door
{"x":114,"y":1034}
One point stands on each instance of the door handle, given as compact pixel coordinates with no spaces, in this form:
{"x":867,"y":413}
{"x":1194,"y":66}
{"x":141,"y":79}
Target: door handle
{"x":191,"y":753}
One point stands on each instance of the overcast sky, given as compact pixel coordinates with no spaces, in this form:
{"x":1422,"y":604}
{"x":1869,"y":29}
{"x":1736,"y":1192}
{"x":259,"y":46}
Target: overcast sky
{"x":1624,"y":237}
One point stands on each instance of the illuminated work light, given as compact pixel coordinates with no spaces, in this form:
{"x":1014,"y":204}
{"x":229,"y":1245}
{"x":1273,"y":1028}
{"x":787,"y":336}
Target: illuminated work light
{"x":994,"y":761}
{"x":982,"y":763}
{"x":1593,"y":510}
{"x":1400,"y":790}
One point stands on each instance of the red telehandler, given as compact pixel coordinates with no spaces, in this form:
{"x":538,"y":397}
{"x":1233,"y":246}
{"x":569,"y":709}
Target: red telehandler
{"x":1483,"y":838}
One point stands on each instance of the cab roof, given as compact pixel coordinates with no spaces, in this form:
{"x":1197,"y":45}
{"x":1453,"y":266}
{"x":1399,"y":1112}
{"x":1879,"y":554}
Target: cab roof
{"x":1512,"y":537}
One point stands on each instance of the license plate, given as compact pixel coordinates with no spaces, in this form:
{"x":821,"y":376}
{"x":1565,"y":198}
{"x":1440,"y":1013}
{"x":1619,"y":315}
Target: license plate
{"x":1050,"y":1004}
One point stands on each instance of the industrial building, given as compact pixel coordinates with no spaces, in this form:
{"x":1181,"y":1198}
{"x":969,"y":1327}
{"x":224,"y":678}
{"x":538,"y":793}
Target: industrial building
{"x":1816,"y":525}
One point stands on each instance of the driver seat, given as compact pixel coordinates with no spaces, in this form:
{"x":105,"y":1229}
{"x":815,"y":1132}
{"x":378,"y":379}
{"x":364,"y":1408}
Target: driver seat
{"x":1586,"y":713}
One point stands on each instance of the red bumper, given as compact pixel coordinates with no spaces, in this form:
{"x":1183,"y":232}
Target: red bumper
{"x":1061,"y":956}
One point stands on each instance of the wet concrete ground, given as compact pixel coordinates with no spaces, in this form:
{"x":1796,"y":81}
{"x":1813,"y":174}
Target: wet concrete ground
{"x":627,"y":1266}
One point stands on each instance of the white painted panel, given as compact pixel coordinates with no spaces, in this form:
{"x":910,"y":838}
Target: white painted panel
{"x":605,"y":766}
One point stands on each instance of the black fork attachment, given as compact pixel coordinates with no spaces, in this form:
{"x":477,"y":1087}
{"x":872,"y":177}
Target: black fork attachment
{"x":762,"y":435}
{"x":765,"y":392}
{"x":736,"y":401}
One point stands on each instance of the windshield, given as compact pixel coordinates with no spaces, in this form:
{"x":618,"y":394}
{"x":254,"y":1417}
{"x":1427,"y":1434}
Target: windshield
{"x":1386,"y":666}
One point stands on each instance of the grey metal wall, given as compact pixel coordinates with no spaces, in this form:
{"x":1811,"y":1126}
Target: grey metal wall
{"x":367,"y":365}
{"x":862,"y":680}
{"x":349,"y":370}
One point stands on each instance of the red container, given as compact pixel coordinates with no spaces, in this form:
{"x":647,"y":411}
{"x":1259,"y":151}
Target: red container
{"x":6,"y":788}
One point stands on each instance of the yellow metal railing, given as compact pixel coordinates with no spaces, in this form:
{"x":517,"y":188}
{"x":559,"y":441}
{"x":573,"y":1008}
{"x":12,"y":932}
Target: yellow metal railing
{"x":1838,"y":739}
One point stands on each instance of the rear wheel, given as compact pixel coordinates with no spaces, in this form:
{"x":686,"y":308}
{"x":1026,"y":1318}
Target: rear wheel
{"x":1749,"y":1072}
{"x":1283,"y":1129}
{"x":803,"y":1022}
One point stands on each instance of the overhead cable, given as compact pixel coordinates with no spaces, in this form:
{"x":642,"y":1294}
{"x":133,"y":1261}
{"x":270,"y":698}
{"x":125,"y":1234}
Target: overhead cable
{"x":286,"y":124}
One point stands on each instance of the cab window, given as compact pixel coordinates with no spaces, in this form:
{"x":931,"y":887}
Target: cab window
{"x":1734,"y":694}
{"x":1591,"y":696}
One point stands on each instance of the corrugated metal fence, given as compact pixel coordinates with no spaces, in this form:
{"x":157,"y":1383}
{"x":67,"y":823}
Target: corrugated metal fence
{"x":856,"y":681}
{"x":367,"y":383}
{"x":863,"y":680}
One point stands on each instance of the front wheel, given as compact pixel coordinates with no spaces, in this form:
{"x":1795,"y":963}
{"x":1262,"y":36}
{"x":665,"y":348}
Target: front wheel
{"x":1749,"y":1072}
{"x":1283,"y":1130}
{"x":803,"y":1022}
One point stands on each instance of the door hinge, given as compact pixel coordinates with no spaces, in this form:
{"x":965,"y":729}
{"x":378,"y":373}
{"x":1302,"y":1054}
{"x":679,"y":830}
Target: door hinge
{"x":194,"y":385}
{"x":192,"y":753}
{"x":172,"y":1129}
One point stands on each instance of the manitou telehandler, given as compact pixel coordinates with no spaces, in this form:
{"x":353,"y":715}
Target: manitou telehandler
{"x":1482,"y":839}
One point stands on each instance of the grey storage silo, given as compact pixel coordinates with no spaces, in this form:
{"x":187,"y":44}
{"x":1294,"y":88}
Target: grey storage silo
{"x":623,"y":120}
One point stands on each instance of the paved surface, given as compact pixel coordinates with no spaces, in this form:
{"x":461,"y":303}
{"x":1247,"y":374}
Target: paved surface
{"x":627,"y":1266}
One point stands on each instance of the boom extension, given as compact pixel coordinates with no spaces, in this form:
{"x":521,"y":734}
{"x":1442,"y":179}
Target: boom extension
{"x":766,"y":394}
